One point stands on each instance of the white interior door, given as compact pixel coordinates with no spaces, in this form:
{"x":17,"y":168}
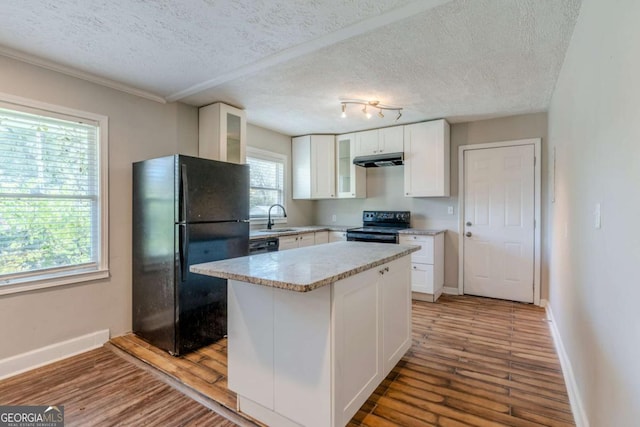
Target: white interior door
{"x":499,"y":213}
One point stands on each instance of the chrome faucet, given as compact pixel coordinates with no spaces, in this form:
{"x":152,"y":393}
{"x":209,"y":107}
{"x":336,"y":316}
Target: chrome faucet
{"x":269,"y":223}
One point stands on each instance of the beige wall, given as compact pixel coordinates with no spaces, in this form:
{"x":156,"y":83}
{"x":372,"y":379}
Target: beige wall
{"x":385,"y":186}
{"x":138,"y":129}
{"x":594,"y":124}
{"x":299,"y":212}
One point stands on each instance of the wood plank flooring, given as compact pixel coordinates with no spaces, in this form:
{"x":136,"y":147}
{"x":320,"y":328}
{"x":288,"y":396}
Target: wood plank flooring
{"x":98,"y":388}
{"x":474,"y":362}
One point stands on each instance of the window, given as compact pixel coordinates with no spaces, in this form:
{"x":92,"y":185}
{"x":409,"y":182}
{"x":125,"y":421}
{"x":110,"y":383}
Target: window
{"x":267,"y":182}
{"x":52,"y":196}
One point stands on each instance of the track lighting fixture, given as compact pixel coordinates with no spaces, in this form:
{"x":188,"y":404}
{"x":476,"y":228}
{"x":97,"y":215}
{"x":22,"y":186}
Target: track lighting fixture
{"x":372,"y":104}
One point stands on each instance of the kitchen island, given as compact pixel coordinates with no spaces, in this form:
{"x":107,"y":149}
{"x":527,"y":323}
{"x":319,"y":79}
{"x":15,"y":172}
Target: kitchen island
{"x":313,"y":331}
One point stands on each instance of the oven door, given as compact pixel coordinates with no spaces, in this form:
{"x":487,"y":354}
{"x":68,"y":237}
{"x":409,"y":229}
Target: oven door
{"x":354,"y":236}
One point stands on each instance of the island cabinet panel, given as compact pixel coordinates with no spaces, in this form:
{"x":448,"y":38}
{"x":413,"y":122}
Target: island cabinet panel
{"x":302,"y":356}
{"x":313,"y":358}
{"x":396,"y":312}
{"x":253,"y":340}
{"x":357,"y":342}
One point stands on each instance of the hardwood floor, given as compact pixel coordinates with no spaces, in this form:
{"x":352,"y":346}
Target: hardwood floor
{"x":473,"y":362}
{"x":98,"y":388}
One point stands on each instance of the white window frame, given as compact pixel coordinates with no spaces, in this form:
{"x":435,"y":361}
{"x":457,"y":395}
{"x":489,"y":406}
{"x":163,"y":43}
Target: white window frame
{"x":274,"y":157}
{"x":32,"y":281}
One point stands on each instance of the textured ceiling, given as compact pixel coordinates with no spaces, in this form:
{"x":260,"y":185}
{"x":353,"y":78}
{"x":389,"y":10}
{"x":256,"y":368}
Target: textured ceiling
{"x":289,"y":62}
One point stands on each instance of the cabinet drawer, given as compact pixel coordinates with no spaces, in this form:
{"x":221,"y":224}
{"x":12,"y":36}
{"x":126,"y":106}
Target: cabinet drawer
{"x":422,"y":278}
{"x":425,"y":254}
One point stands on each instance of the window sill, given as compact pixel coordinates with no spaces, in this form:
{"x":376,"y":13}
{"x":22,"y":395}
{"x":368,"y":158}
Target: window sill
{"x":31,"y":284}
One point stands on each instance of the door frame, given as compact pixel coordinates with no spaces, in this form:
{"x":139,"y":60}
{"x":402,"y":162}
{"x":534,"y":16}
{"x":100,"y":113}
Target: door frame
{"x":537,"y":145}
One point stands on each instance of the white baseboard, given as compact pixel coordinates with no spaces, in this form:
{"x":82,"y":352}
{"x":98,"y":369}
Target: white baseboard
{"x":577,"y":407}
{"x":450,"y":290}
{"x":544,"y":303}
{"x":43,"y":356}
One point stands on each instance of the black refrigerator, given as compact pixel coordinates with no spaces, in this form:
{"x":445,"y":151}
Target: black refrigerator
{"x":186,"y":211}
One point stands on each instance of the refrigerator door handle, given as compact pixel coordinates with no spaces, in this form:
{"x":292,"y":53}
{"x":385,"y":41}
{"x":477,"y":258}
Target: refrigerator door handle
{"x":184,"y":181}
{"x":184,"y":251}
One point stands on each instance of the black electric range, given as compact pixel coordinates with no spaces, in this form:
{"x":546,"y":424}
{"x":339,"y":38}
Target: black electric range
{"x":380,"y":226}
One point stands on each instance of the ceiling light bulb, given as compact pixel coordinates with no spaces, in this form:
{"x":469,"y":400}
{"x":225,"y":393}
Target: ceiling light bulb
{"x":380,"y":114}
{"x":399,"y":115}
{"x":366,"y":113}
{"x":344,"y":110}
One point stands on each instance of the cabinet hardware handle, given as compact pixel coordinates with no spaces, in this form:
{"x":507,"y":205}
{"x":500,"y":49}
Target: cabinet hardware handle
{"x":468,"y":234}
{"x":386,"y":269}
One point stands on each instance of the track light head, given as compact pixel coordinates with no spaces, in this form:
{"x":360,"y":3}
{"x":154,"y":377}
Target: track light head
{"x":366,"y":105}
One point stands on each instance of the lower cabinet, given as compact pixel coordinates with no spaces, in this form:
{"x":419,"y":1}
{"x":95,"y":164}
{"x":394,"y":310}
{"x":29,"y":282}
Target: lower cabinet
{"x":321,"y":237}
{"x":317,"y":356}
{"x":296,"y":241}
{"x":337,"y":236}
{"x":427,"y":266}
{"x":303,"y":239}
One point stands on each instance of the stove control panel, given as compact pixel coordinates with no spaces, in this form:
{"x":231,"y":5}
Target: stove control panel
{"x":383,"y":218}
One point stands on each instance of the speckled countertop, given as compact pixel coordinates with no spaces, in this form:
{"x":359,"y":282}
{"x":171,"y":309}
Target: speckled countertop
{"x":306,"y":269}
{"x":258,"y":234}
{"x":421,"y":231}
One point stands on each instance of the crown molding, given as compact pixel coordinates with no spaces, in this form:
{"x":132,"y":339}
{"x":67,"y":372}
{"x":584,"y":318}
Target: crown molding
{"x":53,"y":66}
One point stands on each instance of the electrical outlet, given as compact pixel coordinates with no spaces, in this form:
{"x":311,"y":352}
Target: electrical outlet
{"x":597,"y":216}
{"x":450,"y":210}
{"x":333,"y":218}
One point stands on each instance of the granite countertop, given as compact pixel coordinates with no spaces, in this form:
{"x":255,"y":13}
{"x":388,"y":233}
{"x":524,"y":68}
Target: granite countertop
{"x":258,"y":234}
{"x":421,"y":231}
{"x":306,"y":269}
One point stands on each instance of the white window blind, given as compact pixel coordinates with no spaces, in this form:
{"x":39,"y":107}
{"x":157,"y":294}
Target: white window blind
{"x":267,"y":172}
{"x":50,"y":201}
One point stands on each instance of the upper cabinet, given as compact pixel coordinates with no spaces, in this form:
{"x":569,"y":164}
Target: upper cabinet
{"x":313,"y":164}
{"x":426,"y":159}
{"x":222,"y":133}
{"x":351,"y":181}
{"x":379,"y":141}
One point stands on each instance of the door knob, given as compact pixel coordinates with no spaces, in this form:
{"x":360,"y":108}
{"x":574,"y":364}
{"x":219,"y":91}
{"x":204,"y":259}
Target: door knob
{"x":468,"y":234}
{"x":469,"y":223}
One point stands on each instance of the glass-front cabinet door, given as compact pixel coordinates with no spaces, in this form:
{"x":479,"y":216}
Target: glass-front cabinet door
{"x":222,"y":133}
{"x":350,"y":179}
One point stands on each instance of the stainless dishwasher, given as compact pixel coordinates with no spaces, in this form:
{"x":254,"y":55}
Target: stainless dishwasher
{"x":263,"y":245}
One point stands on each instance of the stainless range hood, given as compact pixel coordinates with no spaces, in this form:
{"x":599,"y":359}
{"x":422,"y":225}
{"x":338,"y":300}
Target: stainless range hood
{"x":378,"y":160}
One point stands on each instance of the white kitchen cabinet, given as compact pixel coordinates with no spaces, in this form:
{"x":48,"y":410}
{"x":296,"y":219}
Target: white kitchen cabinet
{"x":321,"y":237}
{"x":301,"y":167}
{"x":366,"y":142}
{"x":351,"y":180}
{"x":306,"y":239}
{"x":337,"y":236}
{"x":320,"y":354}
{"x":222,"y":133}
{"x":288,"y":242}
{"x":372,"y":332}
{"x":313,"y":164}
{"x":391,"y":139}
{"x":380,"y":141}
{"x":303,"y":239}
{"x":426,"y":159}
{"x":427,"y":266}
